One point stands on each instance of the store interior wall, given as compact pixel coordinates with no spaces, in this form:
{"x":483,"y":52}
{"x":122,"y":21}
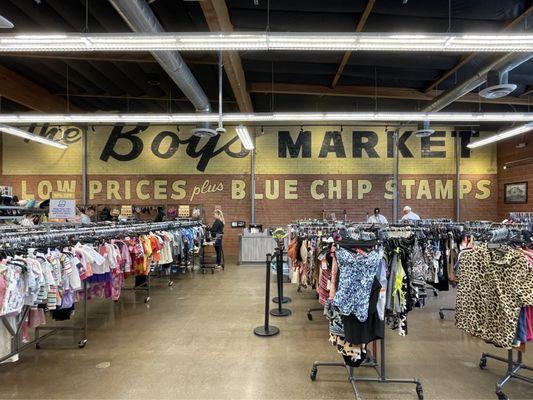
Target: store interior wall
{"x":509,"y":152}
{"x":170,"y":171}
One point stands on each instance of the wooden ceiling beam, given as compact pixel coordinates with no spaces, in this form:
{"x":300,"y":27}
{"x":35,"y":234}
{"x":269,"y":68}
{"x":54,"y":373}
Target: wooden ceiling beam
{"x":126,"y":97}
{"x":359,"y":28}
{"x":21,"y":90}
{"x":371,"y":92}
{"x":110,"y":57}
{"x":468,"y":57}
{"x":528,"y":91}
{"x":217,"y":17}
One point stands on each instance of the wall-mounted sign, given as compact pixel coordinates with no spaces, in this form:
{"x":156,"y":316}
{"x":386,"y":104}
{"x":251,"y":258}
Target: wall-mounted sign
{"x":62,"y":209}
{"x":126,"y":211}
{"x":6,"y":191}
{"x":62,"y":195}
{"x":238,"y":224}
{"x":184,"y":211}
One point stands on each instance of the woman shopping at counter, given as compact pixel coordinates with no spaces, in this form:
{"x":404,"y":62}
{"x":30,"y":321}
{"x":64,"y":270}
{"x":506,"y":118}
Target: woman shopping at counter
{"x":217,"y":231}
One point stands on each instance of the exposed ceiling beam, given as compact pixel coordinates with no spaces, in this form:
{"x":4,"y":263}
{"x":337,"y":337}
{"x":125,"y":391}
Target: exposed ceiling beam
{"x":468,"y":57}
{"x":528,"y":91}
{"x":359,"y":28}
{"x":111,"y":57}
{"x":217,"y":17}
{"x":126,"y":97}
{"x":21,"y":90}
{"x":371,"y":92}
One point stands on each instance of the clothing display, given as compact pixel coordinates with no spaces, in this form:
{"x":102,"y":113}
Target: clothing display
{"x":495,"y":294}
{"x":56,"y":278}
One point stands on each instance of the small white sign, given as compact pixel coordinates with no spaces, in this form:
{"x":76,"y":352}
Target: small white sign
{"x":62,"y":209}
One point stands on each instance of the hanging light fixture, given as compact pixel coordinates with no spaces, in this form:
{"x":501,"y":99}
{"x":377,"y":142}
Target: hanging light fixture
{"x":502,"y":135}
{"x":359,"y":41}
{"x":297,"y":117}
{"x":26,"y":135}
{"x":245,"y":137}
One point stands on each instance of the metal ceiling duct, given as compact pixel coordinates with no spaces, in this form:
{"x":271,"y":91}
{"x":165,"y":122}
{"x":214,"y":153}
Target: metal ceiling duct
{"x":503,"y":65}
{"x":140,"y":18}
{"x":497,"y":85}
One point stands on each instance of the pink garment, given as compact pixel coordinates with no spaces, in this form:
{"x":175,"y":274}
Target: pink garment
{"x":334,"y":277}
{"x":34,"y":319}
{"x":2,"y":290}
{"x":529,"y":323}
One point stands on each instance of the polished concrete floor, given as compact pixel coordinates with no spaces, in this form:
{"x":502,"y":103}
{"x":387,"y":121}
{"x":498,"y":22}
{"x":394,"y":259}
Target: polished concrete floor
{"x":195,"y":341}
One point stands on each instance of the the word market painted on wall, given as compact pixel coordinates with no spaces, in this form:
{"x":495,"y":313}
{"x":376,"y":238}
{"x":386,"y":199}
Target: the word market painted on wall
{"x":154,"y":163}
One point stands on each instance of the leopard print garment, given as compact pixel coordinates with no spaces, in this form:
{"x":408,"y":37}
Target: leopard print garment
{"x":493,"y":285}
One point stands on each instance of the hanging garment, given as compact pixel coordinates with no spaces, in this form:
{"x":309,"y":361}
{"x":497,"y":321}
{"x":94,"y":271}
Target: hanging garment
{"x":493,"y":285}
{"x":357,"y":272}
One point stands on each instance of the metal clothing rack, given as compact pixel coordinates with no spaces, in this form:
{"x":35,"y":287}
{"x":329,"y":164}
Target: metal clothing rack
{"x":16,"y":332}
{"x":372,"y":363}
{"x":513,"y":366}
{"x":15,"y":240}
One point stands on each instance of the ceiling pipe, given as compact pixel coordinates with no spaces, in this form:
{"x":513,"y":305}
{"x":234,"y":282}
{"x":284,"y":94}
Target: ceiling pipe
{"x":503,"y":65}
{"x":140,"y":18}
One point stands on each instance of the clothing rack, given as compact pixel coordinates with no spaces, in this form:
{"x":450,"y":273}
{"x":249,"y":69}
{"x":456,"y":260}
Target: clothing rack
{"x":16,"y":332}
{"x":23,"y":239}
{"x":521,"y":216}
{"x":372,"y":363}
{"x":513,"y":366}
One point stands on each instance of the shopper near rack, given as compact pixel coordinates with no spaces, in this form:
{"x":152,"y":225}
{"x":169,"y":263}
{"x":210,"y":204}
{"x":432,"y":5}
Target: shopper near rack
{"x":217,"y":230}
{"x":409,"y":215}
{"x":85,"y":217}
{"x":160,"y":215}
{"x":377,"y":218}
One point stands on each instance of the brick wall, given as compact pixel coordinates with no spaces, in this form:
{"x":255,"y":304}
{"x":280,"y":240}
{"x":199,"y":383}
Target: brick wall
{"x":287,"y":188}
{"x":507,"y":151}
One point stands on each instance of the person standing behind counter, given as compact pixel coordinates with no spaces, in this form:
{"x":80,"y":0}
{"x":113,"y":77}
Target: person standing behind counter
{"x":409,"y":215}
{"x":377,"y":218}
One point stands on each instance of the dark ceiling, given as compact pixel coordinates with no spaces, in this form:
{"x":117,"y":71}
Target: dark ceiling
{"x":135,"y":82}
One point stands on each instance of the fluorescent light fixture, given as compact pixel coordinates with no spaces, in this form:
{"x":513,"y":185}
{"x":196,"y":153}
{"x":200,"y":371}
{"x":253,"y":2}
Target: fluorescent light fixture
{"x":260,"y":41}
{"x":26,"y":135}
{"x":502,"y":135}
{"x":193,"y":118}
{"x":245,"y":137}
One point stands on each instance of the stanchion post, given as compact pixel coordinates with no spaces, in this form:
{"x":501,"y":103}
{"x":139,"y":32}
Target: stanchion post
{"x":280,"y":311}
{"x":283,"y":298}
{"x":267,"y":329}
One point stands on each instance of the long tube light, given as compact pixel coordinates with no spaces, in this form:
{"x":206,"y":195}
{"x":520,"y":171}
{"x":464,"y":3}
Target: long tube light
{"x":502,"y":135}
{"x":35,"y":138}
{"x":439,"y":42}
{"x":245,"y":137}
{"x":191,"y":118}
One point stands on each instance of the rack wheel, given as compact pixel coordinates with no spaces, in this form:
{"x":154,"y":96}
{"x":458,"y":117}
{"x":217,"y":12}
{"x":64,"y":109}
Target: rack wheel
{"x":37,"y":346}
{"x":203,"y":271}
{"x":483,"y":363}
{"x":419,"y":392}
{"x":501,"y":395}
{"x":309,"y":316}
{"x":171,"y":283}
{"x":299,"y":289}
{"x":82,"y":343}
{"x":147,"y":300}
{"x":441,"y":315}
{"x":212,"y":271}
{"x":313,"y":373}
